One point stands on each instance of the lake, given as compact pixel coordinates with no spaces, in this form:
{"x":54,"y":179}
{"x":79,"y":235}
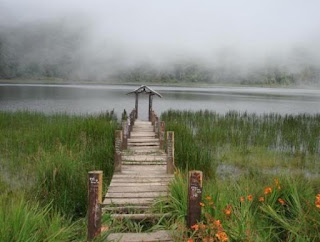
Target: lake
{"x":90,"y":99}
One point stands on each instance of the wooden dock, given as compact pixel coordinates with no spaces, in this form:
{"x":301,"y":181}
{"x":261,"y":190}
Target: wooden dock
{"x":142,"y":179}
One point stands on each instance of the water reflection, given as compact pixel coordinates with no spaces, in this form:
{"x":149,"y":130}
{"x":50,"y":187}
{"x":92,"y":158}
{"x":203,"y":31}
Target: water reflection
{"x":97,"y":98}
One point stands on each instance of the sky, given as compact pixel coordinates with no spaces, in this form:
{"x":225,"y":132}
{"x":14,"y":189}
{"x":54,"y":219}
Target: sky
{"x":247,"y":31}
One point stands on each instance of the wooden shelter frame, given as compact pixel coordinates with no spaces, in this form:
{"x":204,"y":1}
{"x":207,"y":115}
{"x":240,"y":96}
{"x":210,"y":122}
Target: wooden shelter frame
{"x":147,"y":90}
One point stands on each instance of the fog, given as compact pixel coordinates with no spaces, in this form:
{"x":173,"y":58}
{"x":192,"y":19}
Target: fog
{"x":101,"y":40}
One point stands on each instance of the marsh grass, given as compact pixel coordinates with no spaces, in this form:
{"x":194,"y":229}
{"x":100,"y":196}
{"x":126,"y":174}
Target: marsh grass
{"x":46,"y":158}
{"x":261,"y":145}
{"x":250,"y":219}
{"x":205,"y":139}
{"x":29,"y":221}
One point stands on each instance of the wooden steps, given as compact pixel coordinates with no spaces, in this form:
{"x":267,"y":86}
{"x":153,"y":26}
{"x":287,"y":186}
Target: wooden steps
{"x":142,"y":179}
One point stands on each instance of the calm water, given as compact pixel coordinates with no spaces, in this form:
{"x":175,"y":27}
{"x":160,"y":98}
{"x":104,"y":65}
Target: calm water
{"x":96,"y":98}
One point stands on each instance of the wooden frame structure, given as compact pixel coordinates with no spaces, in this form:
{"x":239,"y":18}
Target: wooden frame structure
{"x":147,"y":90}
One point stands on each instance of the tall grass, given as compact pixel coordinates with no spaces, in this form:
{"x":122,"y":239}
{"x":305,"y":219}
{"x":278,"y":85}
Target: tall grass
{"x":49,"y":156}
{"x":253,"y":215}
{"x":28,"y":221}
{"x":257,"y":205}
{"x":204,"y":139}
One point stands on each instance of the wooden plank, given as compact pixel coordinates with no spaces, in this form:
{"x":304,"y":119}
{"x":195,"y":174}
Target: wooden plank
{"x":161,"y":235}
{"x":138,"y":189}
{"x":128,"y":201}
{"x":144,"y":148}
{"x":142,"y":171}
{"x":140,"y":216}
{"x":142,"y":134}
{"x":138,"y":168}
{"x":155,"y":143}
{"x":137,"y":184}
{"x":150,"y":163}
{"x":125,"y":176}
{"x":144,"y":158}
{"x":142,"y":129}
{"x":128,"y":208}
{"x":136,"y":194}
{"x":141,"y":180}
{"x":143,"y":140}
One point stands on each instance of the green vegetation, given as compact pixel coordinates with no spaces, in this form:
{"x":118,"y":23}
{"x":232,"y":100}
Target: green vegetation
{"x":261,"y":175}
{"x":250,"y":208}
{"x":46,"y":159}
{"x":206,"y":139}
{"x":254,"y":203}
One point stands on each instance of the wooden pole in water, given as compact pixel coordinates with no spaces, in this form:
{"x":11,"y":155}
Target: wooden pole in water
{"x":118,"y":146}
{"x":194,"y":197}
{"x":161,"y":134}
{"x":170,"y":152}
{"x":94,"y":208}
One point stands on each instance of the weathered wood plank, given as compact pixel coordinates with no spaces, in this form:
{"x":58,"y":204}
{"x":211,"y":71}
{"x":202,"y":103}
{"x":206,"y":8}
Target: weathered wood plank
{"x":137,"y":184}
{"x":142,"y":140}
{"x":139,"y":189}
{"x":142,"y":134}
{"x":144,"y":163}
{"x":144,"y":148}
{"x":136,"y":194}
{"x":140,"y":179}
{"x":139,"y":168}
{"x":146,"y":129}
{"x":144,"y":157}
{"x":127,"y":208}
{"x":140,"y":216}
{"x":156,"y":143}
{"x":143,"y":176}
{"x":128,"y":201}
{"x":161,"y":235}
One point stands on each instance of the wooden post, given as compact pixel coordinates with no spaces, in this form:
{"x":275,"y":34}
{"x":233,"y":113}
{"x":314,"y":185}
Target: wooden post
{"x":194,"y":197}
{"x":132,"y":118}
{"x":118,"y":146}
{"x":125,"y":134}
{"x":136,"y":107}
{"x":170,"y":152}
{"x":129,"y":127}
{"x":150,"y":107}
{"x":153,"y":117}
{"x":161,"y":134}
{"x":156,"y":127}
{"x":95,"y":199}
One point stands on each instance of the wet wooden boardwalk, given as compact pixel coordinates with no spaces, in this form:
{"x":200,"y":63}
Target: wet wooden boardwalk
{"x":142,"y":179}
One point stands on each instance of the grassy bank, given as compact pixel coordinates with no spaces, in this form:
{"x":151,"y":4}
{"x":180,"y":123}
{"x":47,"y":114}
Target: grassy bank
{"x":269,"y":192}
{"x":44,"y":165}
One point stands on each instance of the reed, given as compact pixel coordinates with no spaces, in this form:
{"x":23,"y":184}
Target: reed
{"x":49,"y":156}
{"x":205,"y":139}
{"x":21,"y":220}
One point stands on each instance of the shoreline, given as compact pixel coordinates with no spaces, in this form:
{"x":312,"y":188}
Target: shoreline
{"x":182,"y":84}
